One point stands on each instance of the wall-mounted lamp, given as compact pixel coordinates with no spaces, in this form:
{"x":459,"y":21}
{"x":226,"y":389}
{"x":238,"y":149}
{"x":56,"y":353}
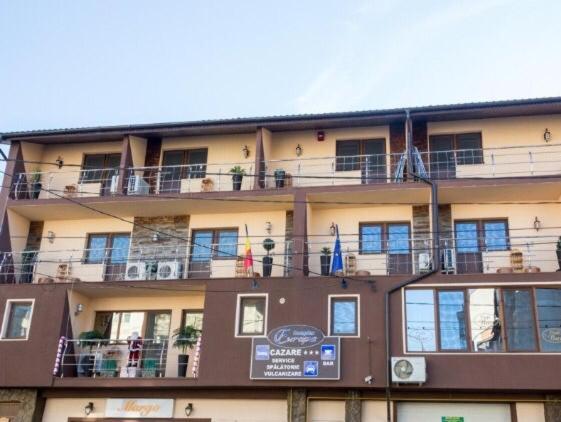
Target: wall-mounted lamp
{"x":79,"y":309}
{"x":547,"y":135}
{"x":51,"y":236}
{"x":333,"y":229}
{"x":245,"y":151}
{"x":59,"y":162}
{"x":320,"y":136}
{"x":88,"y":408}
{"x":189,"y":409}
{"x":155,"y":237}
{"x":299,"y":150}
{"x":537,"y":224}
{"x":268,"y":227}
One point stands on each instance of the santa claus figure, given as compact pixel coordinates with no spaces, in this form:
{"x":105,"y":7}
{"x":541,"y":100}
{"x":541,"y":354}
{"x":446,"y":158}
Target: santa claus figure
{"x":134,"y":342}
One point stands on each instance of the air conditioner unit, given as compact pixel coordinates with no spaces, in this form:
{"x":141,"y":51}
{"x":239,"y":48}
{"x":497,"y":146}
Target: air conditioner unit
{"x":425,"y":264}
{"x":135,"y":271}
{"x":409,"y":370}
{"x":138,"y":186}
{"x":448,"y":261}
{"x":114,"y":184}
{"x":169,"y":270}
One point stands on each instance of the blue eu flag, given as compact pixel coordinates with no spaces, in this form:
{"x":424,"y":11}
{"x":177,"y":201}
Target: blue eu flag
{"x":337,"y":263}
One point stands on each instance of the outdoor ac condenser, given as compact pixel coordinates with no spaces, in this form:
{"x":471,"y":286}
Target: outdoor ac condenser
{"x":138,"y":186}
{"x":135,"y":271}
{"x":169,"y":270}
{"x":409,"y":370}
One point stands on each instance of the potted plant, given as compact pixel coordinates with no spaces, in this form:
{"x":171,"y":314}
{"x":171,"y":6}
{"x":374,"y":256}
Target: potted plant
{"x":184,"y":339}
{"x":558,"y":250}
{"x":35,"y":184}
{"x":86,"y":360}
{"x":280,"y":176}
{"x":325,"y":260}
{"x":268,"y":245}
{"x":237,"y":177}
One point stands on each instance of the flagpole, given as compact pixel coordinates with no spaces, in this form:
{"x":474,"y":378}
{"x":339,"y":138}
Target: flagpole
{"x":247,"y":239}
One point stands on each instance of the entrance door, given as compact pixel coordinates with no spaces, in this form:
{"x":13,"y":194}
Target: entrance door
{"x":464,"y":412}
{"x":442,"y":164}
{"x":373,"y":166}
{"x":468,"y":253}
{"x":201,"y":254}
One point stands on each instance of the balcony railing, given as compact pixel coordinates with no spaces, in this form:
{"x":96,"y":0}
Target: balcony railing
{"x":190,"y":260}
{"x":511,"y":161}
{"x":111,"y":358}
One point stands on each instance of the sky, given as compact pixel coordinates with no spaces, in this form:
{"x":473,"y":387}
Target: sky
{"x":85,"y":63}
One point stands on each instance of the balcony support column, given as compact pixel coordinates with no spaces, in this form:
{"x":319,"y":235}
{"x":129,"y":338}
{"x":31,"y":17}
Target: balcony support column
{"x":353,"y":407}
{"x":14,"y":166}
{"x":297,"y":404}
{"x":126,"y":162}
{"x":300,"y":235}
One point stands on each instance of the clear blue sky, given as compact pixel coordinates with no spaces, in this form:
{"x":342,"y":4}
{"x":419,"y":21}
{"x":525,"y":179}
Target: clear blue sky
{"x":81,"y":63}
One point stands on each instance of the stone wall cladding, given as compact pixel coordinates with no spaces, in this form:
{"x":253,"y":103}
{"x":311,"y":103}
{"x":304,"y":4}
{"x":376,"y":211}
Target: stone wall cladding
{"x":26,"y":404}
{"x":143,"y":245}
{"x":421,"y":232}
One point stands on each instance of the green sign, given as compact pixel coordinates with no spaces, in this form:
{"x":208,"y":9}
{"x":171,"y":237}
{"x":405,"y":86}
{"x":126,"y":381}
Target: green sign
{"x":452,"y":419}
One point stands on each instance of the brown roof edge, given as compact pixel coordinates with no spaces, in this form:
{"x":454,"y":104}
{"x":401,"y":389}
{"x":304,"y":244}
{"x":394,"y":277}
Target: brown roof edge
{"x":503,"y":108}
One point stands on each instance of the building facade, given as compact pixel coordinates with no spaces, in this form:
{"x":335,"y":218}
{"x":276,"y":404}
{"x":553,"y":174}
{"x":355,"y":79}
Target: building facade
{"x":393,"y":265}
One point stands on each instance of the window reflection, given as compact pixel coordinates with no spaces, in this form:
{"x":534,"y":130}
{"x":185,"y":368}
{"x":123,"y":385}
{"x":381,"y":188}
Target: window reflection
{"x":486,"y":327}
{"x":451,"y":315}
{"x":548,"y":302}
{"x":519,"y":320}
{"x":419,"y":306}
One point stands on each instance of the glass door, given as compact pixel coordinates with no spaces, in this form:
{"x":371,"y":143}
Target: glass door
{"x":373,"y":168}
{"x":116,"y":262}
{"x":399,"y":251}
{"x":468,"y":253}
{"x":154,"y":355}
{"x":201,"y":254}
{"x":442,"y":163}
{"x":170,"y":177}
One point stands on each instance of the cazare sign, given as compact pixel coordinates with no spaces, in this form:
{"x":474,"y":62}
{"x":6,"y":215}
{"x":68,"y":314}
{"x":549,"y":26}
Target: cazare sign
{"x":139,"y":408}
{"x":295,"y":352}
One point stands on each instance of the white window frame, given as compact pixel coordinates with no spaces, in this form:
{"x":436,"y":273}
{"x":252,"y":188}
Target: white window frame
{"x":5,"y":321}
{"x":238,"y":310}
{"x":329,"y":301}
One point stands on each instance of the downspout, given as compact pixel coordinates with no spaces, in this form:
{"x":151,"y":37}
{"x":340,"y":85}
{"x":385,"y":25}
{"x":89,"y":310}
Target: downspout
{"x":435,"y":257}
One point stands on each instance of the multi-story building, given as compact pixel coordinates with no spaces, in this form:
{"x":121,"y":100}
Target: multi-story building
{"x":446,"y":306}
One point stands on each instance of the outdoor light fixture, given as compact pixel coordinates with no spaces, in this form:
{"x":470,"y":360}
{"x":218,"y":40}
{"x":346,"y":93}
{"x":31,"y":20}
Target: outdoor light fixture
{"x":51,"y":236}
{"x":320,"y":136}
{"x":89,"y":408}
{"x":344,"y":284}
{"x":189,"y":409}
{"x":537,"y":224}
{"x":547,"y":135}
{"x":59,"y":162}
{"x":79,"y":309}
{"x":155,"y":237}
{"x":245,"y":151}
{"x":333,"y":229}
{"x":268,"y":227}
{"x":299,"y":150}
{"x":254,"y":284}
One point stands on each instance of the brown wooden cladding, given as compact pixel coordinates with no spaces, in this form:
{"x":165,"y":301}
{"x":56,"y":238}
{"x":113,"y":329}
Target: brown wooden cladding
{"x":225,"y":360}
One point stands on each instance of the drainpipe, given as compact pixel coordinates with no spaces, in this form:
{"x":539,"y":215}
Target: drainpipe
{"x":435,"y":258}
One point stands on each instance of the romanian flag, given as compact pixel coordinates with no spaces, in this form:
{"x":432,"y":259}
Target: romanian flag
{"x":248,"y":260}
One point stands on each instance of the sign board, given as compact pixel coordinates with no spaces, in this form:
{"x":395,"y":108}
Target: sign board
{"x":452,"y":419}
{"x":296,"y":352}
{"x":139,"y":408}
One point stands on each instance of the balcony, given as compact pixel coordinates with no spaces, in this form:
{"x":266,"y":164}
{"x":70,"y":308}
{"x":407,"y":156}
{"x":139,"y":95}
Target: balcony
{"x":195,"y":260}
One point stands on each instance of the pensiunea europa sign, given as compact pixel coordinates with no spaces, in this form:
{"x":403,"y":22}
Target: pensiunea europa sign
{"x":297,"y":352}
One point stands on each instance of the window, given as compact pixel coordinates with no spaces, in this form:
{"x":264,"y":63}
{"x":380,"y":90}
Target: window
{"x":119,"y":325}
{"x":519,"y":320}
{"x":451,"y":317}
{"x":482,"y":235}
{"x":548,"y":303}
{"x":193,"y":318}
{"x":185,"y":164}
{"x":392,"y":238}
{"x":97,"y":168}
{"x":343,"y":316}
{"x":111,"y":246}
{"x":17,"y":319}
{"x":421,"y":326}
{"x":485,"y":320}
{"x":214,"y":243}
{"x":251,"y":320}
{"x":366,"y":154}
{"x":460,"y":149}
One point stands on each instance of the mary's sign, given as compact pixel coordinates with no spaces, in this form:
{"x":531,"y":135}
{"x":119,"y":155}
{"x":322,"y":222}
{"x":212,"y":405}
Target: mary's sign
{"x":295,"y":352}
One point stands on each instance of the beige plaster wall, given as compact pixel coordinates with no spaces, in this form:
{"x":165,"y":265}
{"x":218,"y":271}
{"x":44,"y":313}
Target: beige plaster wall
{"x":326,"y":410}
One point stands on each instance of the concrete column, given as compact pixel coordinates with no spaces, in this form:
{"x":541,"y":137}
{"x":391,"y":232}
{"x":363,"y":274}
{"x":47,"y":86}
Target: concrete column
{"x":126,"y":161}
{"x":553,"y":409}
{"x":259,"y":179}
{"x":297,"y":404}
{"x":353,"y":407}
{"x":21,"y":405}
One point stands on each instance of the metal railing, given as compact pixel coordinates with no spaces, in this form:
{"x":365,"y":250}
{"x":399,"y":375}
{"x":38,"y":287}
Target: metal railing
{"x":111,"y":358}
{"x":159,"y":262}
